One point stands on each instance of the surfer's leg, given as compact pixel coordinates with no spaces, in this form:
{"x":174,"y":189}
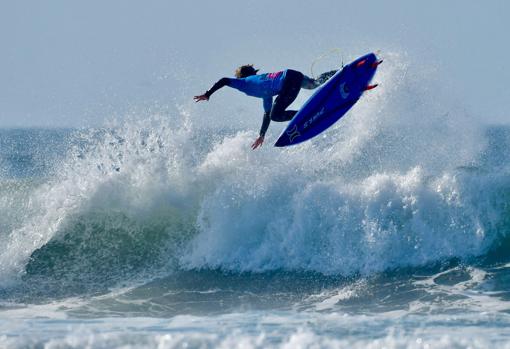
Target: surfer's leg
{"x":309,"y":83}
{"x":289,"y":92}
{"x":285,"y":115}
{"x":325,"y":76}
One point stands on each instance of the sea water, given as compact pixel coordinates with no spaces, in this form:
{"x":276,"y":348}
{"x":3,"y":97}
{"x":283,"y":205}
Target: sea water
{"x":390,"y":230}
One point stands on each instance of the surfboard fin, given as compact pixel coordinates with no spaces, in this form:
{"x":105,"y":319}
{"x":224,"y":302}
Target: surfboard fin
{"x":375,"y":64}
{"x":370,"y":87}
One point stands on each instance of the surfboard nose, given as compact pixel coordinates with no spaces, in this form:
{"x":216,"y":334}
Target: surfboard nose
{"x":367,"y":60}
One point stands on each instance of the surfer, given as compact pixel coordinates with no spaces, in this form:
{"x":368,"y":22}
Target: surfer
{"x":285,"y":85}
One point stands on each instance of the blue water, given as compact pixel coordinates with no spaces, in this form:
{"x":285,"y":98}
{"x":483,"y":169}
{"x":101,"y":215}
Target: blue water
{"x":391,"y":231}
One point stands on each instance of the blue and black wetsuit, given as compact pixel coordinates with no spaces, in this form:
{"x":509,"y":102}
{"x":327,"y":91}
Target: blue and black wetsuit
{"x":285,"y":85}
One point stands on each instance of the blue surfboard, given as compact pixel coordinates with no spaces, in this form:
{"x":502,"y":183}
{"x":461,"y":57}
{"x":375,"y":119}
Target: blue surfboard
{"x":331,"y":101}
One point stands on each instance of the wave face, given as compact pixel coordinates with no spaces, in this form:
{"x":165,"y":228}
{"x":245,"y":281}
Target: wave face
{"x":405,"y":180}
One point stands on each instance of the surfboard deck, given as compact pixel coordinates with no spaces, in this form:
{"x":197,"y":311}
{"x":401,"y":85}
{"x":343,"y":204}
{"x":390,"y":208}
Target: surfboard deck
{"x":331,"y":101}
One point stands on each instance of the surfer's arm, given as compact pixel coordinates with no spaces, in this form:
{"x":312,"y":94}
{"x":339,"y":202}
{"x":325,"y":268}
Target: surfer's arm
{"x":265,"y":124}
{"x":219,"y":84}
{"x":268,"y":104}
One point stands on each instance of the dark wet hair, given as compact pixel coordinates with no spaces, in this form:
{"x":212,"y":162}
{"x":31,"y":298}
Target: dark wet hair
{"x":246,"y":70}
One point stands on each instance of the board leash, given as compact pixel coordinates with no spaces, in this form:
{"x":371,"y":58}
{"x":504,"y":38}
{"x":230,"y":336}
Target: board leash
{"x":322,"y":56}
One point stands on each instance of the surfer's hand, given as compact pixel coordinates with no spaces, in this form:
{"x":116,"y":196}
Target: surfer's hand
{"x":258,"y":142}
{"x":201,"y":98}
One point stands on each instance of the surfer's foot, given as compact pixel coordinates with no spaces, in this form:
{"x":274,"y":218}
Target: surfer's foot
{"x":325,"y":76}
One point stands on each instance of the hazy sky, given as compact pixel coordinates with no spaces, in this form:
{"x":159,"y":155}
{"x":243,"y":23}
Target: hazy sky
{"x":70,"y":63}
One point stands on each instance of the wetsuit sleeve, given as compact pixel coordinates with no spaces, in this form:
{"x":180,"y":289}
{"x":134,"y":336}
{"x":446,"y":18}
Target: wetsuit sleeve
{"x":268,"y":103}
{"x":265,"y":123}
{"x":221,"y":82}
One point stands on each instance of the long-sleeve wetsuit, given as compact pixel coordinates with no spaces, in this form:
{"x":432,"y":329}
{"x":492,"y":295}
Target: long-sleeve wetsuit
{"x":283,"y":84}
{"x":263,"y":86}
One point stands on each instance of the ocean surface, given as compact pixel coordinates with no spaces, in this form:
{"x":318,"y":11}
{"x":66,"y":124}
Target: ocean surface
{"x":392,"y":230}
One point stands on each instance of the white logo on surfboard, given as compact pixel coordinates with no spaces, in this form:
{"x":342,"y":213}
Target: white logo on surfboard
{"x":293,"y":133}
{"x":344,"y":91}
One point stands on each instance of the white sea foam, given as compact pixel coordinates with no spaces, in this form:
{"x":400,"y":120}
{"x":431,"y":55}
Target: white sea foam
{"x":258,"y":331}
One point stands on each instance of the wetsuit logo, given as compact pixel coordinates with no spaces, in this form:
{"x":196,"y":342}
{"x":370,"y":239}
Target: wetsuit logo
{"x":293,"y":133}
{"x":274,"y":75}
{"x":344,"y":90}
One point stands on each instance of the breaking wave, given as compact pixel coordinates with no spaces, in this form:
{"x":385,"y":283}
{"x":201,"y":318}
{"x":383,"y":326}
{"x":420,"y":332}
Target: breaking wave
{"x":406,"y":179}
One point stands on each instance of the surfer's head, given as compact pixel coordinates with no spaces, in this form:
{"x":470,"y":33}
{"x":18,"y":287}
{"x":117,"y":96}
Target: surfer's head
{"x":246,"y":70}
